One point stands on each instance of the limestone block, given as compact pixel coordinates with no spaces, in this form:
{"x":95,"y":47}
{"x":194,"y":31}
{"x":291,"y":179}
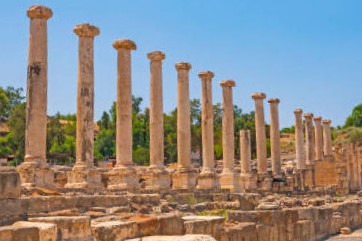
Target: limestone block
{"x":69,"y":228}
{"x":158,"y":179}
{"x":187,"y":237}
{"x":123,"y":179}
{"x":304,"y":231}
{"x":242,"y":231}
{"x":29,"y":231}
{"x":345,"y":231}
{"x":11,"y":211}
{"x":114,"y":230}
{"x":248,"y":182}
{"x":207,"y":181}
{"x":9,"y":183}
{"x":203,"y":224}
{"x":230,"y":181}
{"x":36,"y":175}
{"x":87,"y":179}
{"x":184,"y":179}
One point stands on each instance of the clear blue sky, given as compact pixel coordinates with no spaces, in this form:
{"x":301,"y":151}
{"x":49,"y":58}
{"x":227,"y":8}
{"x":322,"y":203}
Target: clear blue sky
{"x":307,"y":53}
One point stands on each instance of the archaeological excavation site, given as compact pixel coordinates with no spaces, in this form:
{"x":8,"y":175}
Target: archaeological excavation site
{"x":310,"y":194}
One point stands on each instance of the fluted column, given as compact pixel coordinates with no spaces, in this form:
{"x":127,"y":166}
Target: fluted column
{"x":318,"y":134}
{"x":245,"y":152}
{"x":299,"y":140}
{"x":275,"y":137}
{"x":85,"y":96}
{"x":207,"y":118}
{"x":37,"y":85}
{"x":261,"y":153}
{"x":327,"y":139}
{"x":309,"y":136}
{"x":183,"y":116}
{"x":156,"y":110}
{"x":124,"y":102}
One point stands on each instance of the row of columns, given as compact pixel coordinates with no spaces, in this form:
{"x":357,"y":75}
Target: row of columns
{"x":123,"y":175}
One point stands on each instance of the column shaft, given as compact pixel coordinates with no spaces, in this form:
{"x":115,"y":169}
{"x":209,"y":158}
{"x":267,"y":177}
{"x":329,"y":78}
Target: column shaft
{"x":261,"y":152}
{"x":275,"y":137}
{"x":156,"y":110}
{"x":183,"y":116}
{"x":327,"y":148}
{"x":309,"y":135}
{"x":318,"y":138}
{"x":37,"y":85}
{"x":245,"y":151}
{"x":299,"y":140}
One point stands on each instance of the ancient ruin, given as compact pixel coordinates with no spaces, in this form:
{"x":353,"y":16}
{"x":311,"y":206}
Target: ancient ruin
{"x":311,"y":195}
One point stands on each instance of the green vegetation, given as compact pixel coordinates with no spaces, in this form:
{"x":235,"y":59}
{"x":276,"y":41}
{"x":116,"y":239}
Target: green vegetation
{"x":215,"y":212}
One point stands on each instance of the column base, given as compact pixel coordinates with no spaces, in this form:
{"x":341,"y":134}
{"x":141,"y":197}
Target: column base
{"x":84,"y":179}
{"x":158,"y":179}
{"x":309,"y":176}
{"x":184,"y":179}
{"x":265,"y":183}
{"x":123,"y":179}
{"x":248,"y":182}
{"x":207,"y":180}
{"x":36,"y":173}
{"x":230,"y":181}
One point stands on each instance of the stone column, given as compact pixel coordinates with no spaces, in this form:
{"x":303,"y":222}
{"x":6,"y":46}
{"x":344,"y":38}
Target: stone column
{"x":327,"y":148}
{"x":207,"y":177}
{"x":318,"y":138}
{"x":228,"y":179}
{"x":299,"y":140}
{"x":261,"y":153}
{"x":275,"y":137}
{"x":36,"y":102}
{"x":84,"y":175}
{"x":245,"y":152}
{"x":123,"y":176}
{"x":310,"y":156}
{"x":185,"y":176}
{"x":160,"y":178}
{"x":309,"y":136}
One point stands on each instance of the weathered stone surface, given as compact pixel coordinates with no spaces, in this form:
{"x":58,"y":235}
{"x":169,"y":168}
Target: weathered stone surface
{"x":9,"y":183}
{"x":114,"y":230}
{"x":242,"y":231}
{"x":69,"y":228}
{"x":187,"y":237}
{"x":29,"y":231}
{"x":203,"y":224}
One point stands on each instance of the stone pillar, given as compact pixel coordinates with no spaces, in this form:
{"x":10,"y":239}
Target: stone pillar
{"x":123,"y":176}
{"x":261,"y":153}
{"x":84,"y":175}
{"x":299,"y":140}
{"x":228,"y":178}
{"x":185,"y":176}
{"x":310,"y":156}
{"x":34,"y":170}
{"x":318,"y":138}
{"x":160,"y":178}
{"x":247,"y":180}
{"x":275,"y":138}
{"x":207,"y":177}
{"x":327,"y":140}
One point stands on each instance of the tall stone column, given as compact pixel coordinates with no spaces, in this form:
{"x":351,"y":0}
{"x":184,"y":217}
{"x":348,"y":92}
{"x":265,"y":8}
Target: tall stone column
{"x":261,"y":153}
{"x":318,"y":134}
{"x":275,"y":137}
{"x":327,"y":138}
{"x":185,"y":176}
{"x":310,"y":155}
{"x":207,"y":177}
{"x":228,"y":179}
{"x":309,"y":136}
{"x":299,"y":140}
{"x":160,"y":178}
{"x":247,"y":180}
{"x":84,"y":175}
{"x":36,"y":102}
{"x":123,"y":176}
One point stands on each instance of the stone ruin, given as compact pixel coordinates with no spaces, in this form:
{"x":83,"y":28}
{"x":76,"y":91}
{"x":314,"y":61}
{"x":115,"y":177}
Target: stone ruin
{"x":312,"y":197}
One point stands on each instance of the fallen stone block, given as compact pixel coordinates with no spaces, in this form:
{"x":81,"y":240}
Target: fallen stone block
{"x":188,"y":237}
{"x":29,"y":231}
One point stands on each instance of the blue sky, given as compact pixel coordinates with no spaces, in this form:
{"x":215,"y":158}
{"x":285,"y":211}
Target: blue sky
{"x":306,"y":53}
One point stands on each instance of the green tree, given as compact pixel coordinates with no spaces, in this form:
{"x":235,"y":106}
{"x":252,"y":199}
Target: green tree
{"x":17,"y":131}
{"x":355,"y":119}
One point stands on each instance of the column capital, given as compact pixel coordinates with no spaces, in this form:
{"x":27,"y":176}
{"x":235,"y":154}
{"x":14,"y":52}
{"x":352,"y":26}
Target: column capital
{"x":308,"y":115}
{"x":124,"y":44}
{"x":318,"y":118}
{"x":274,"y":101}
{"x":206,"y":75}
{"x":298,"y":111}
{"x":258,"y":95}
{"x":327,"y":122}
{"x":156,"y":56}
{"x":227,"y":83}
{"x":183,"y":66}
{"x":39,"y":12}
{"x":86,"y":30}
